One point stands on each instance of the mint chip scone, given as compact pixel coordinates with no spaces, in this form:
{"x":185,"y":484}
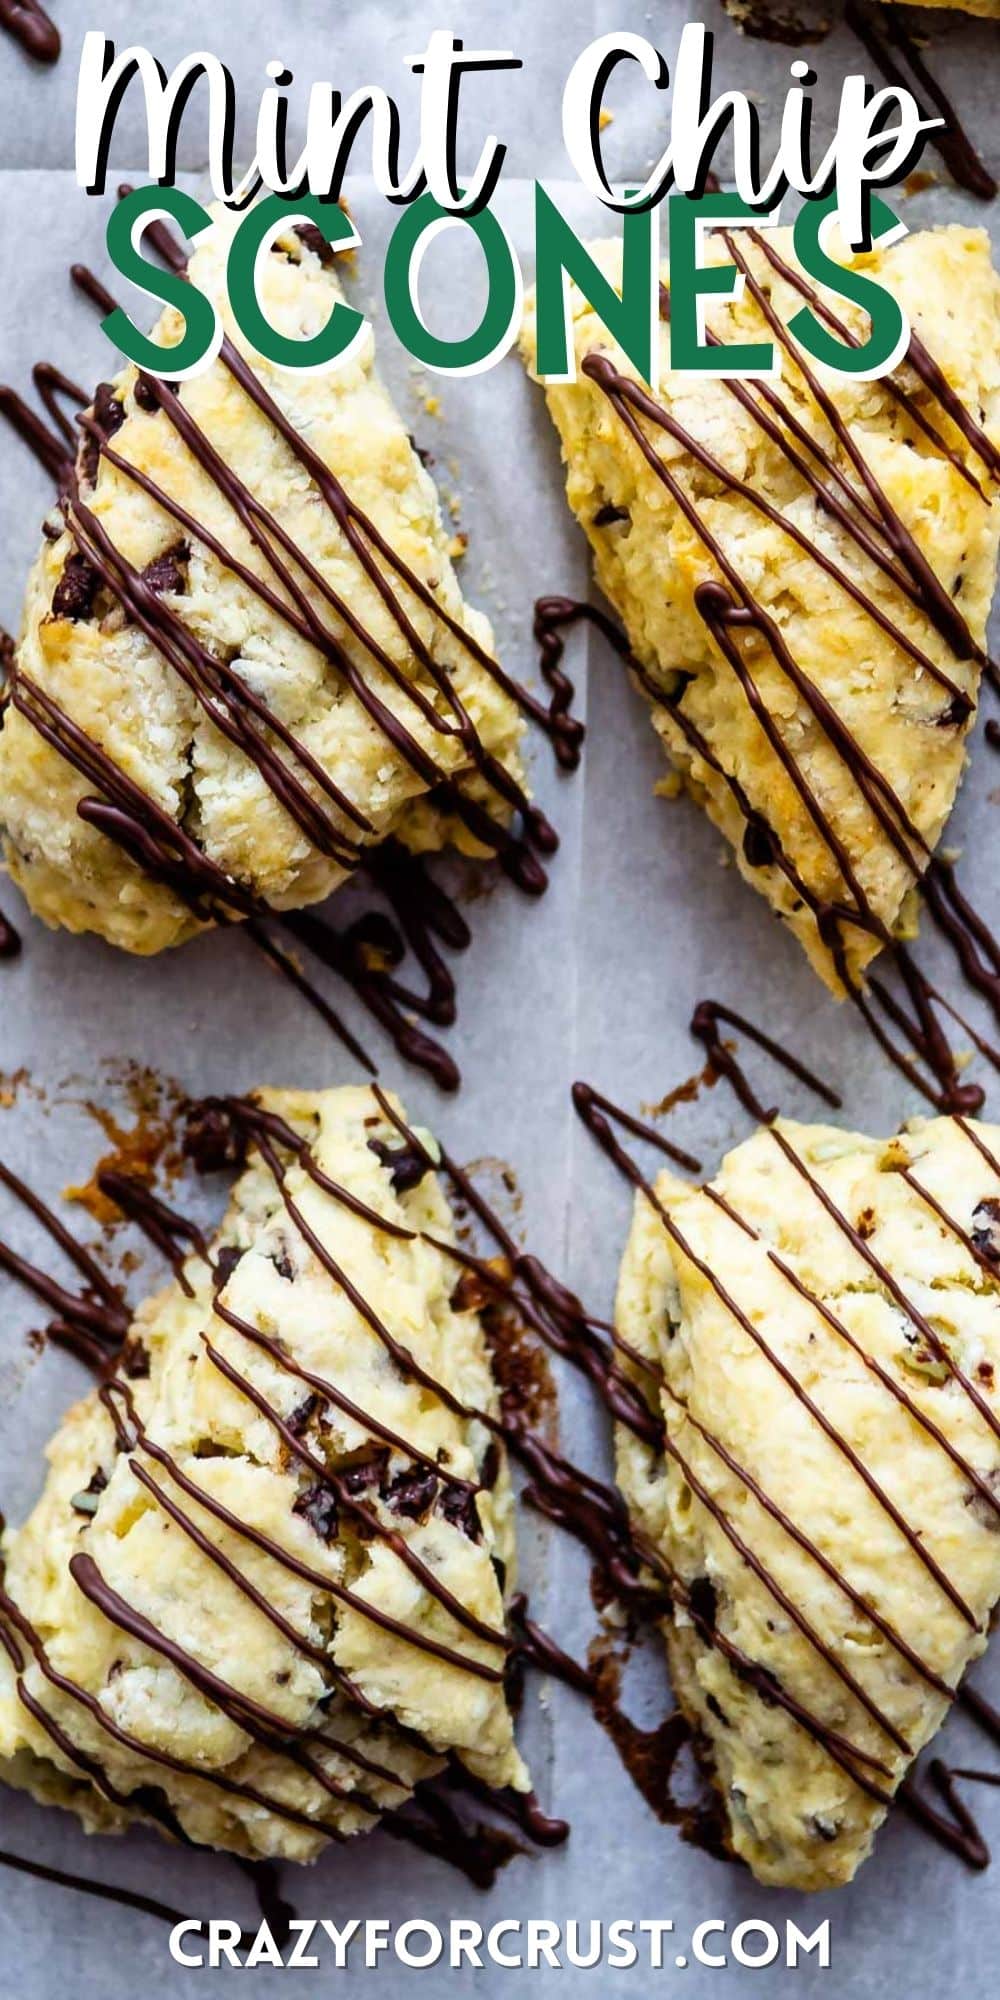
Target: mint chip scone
{"x":262,"y":1594}
{"x":245,"y":657}
{"x":804,"y":568}
{"x":819,"y":1330}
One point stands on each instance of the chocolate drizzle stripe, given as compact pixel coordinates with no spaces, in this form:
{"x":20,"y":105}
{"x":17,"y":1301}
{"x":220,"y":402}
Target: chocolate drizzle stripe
{"x":815,"y":1554}
{"x":79,"y":1758}
{"x":929,"y":372}
{"x":400,"y":1354}
{"x":331,"y":1394}
{"x":569,"y":1495}
{"x":159,"y":846}
{"x":106,"y":1892}
{"x":27,"y":23}
{"x":396,"y":1542}
{"x":969,"y":936}
{"x":940,"y":609}
{"x":359,"y":531}
{"x":88,"y":1267}
{"x":661,"y":416}
{"x":885,"y":38}
{"x":704,"y":1025}
{"x":771,"y":1691}
{"x":319,"y":1580}
{"x":600,"y":1128}
{"x":261,"y":1724}
{"x":888,"y":1282}
{"x":913,"y":1409}
{"x":787,"y":1604}
{"x":221,"y":694}
{"x":217,"y":1780}
{"x":952,"y":1225}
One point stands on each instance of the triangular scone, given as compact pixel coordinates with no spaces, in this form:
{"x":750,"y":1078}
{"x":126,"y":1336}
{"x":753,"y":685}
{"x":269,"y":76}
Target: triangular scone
{"x":651,"y":558}
{"x":253,"y":1685}
{"x":112,"y":681}
{"x":818,"y":1530}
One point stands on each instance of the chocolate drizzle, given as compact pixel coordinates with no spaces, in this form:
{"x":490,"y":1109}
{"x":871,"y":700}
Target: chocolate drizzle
{"x":732,"y":613}
{"x":893,"y":48}
{"x":95,"y":1323}
{"x":947,"y":1817}
{"x":27,"y":23}
{"x":365,"y":953}
{"x":10,"y":939}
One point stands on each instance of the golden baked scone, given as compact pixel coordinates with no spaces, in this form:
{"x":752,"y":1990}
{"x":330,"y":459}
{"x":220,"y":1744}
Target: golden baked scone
{"x":804,"y":584}
{"x":819,"y":1329}
{"x":262,"y":1594}
{"x":378,"y":698}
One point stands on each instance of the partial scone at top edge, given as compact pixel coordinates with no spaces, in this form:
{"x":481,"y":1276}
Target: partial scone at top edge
{"x":107,"y":675}
{"x":806,"y":1323}
{"x":794,"y":811}
{"x":321,"y":1575}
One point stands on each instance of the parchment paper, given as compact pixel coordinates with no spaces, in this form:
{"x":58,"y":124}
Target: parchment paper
{"x":643,"y":917}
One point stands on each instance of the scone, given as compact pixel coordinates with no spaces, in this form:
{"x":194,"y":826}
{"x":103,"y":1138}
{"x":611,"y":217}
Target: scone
{"x":819,"y":1329}
{"x":262,"y":1594}
{"x":804,"y":570}
{"x":248,"y":644}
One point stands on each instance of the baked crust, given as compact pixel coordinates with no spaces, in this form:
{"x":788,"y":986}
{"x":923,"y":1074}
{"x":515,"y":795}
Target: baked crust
{"x":650,"y":562}
{"x":782,"y":1549}
{"x":170,"y":1393}
{"x":109,"y":677}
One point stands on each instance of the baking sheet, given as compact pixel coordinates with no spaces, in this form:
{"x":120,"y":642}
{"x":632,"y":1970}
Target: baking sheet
{"x":643,"y":918}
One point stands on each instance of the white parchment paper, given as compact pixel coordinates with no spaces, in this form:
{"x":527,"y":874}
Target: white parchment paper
{"x":643,"y":917}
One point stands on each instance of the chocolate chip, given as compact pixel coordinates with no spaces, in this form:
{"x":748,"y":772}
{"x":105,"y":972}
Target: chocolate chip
{"x":704,"y":1601}
{"x":212,"y":1139}
{"x":412,"y":1493}
{"x":606,"y":516}
{"x":109,"y":410}
{"x":302,"y":1415}
{"x":315,"y":240}
{"x":406,"y":1165}
{"x":86,"y":1502}
{"x":108,"y":413}
{"x":282,"y":1262}
{"x":357,"y":1479}
{"x":426,"y":457}
{"x":760,"y":848}
{"x":168,"y":572}
{"x":491,"y":1466}
{"x":318,"y":1506}
{"x":225,"y":1263}
{"x":134,"y":1361}
{"x":145,"y":396}
{"x":458,"y":1506}
{"x":981,"y":1508}
{"x":471,"y":1293}
{"x":986,"y":1228}
{"x":957,"y":711}
{"x":77,"y":587}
